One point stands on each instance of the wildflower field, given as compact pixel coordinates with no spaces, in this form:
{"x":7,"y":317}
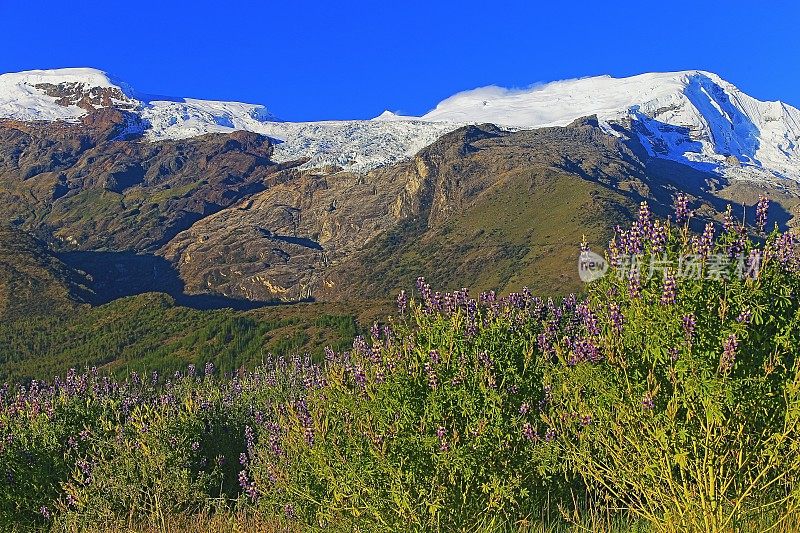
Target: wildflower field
{"x":665,"y":398}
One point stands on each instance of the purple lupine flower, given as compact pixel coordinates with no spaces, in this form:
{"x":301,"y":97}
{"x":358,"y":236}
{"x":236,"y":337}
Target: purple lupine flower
{"x":745,"y":316}
{"x":528,"y":431}
{"x":689,"y":323}
{"x":360,"y":345}
{"x":703,"y":244}
{"x":728,"y":223}
{"x":736,"y":247}
{"x":586,"y":420}
{"x":330,"y":355}
{"x":274,"y":438}
{"x":762,"y":209}
{"x":645,"y":222}
{"x":437,"y":302}
{"x":588,"y":318}
{"x":440,"y":434}
{"x":249,"y":437}
{"x":673,"y":354}
{"x":658,"y":238}
{"x":402,"y":302}
{"x":209,"y":369}
{"x":785,"y":249}
{"x":613,"y":252}
{"x":668,"y":291}
{"x":616,"y":317}
{"x":648,"y":402}
{"x":86,"y":469}
{"x":550,"y":435}
{"x":306,"y":421}
{"x":45,"y":512}
{"x":248,"y":486}
{"x":543,"y":343}
{"x":584,"y":350}
{"x":682,"y":211}
{"x":633,"y":240}
{"x":424,"y":291}
{"x":524,"y":408}
{"x":432,"y":380}
{"x":634,"y":284}
{"x":728,"y":357}
{"x":360,"y":376}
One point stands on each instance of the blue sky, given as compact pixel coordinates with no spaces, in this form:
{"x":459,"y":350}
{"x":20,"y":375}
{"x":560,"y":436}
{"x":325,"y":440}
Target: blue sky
{"x":313,"y":60}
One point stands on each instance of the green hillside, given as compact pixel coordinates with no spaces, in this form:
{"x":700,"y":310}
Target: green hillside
{"x":33,"y":282}
{"x":149,"y":332}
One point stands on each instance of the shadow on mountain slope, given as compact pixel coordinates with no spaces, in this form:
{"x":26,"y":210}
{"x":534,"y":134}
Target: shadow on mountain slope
{"x":119,"y":274}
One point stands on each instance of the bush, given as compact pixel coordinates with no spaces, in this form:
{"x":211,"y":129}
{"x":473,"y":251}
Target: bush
{"x":431,"y":426}
{"x":688,"y":414}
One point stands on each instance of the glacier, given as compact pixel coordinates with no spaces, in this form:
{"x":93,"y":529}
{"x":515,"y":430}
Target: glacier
{"x":694,"y":117}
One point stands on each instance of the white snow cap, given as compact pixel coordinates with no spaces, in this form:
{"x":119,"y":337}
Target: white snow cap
{"x":694,"y":117}
{"x":22,"y":100}
{"x":691,"y":116}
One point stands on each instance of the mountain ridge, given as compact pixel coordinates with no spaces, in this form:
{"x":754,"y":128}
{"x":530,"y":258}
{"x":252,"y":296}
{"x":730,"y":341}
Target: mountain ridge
{"x":693,"y":116}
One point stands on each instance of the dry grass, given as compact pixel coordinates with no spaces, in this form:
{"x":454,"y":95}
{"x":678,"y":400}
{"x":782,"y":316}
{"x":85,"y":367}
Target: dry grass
{"x":594,"y":521}
{"x":204,"y":523}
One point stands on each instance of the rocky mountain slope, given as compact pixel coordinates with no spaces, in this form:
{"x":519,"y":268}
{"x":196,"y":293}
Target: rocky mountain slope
{"x":219,"y":199}
{"x":87,"y":187}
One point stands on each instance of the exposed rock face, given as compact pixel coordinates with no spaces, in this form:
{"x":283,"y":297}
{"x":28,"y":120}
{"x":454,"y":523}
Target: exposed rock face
{"x":91,"y":186}
{"x":492,"y":209}
{"x":87,"y":97}
{"x":279,"y":242}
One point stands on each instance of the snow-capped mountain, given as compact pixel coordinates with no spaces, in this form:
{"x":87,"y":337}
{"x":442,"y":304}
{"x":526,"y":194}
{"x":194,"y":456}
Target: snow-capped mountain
{"x":62,"y":94}
{"x":68,"y":94}
{"x":692,"y":116}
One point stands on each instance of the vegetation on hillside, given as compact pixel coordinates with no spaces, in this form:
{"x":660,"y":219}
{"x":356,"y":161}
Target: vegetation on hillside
{"x":150,"y":332}
{"x":33,"y":281}
{"x":667,"y":399}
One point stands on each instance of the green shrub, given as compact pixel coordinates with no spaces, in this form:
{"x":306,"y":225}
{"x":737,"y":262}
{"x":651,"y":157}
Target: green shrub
{"x":432,"y":426}
{"x":688,"y":415}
